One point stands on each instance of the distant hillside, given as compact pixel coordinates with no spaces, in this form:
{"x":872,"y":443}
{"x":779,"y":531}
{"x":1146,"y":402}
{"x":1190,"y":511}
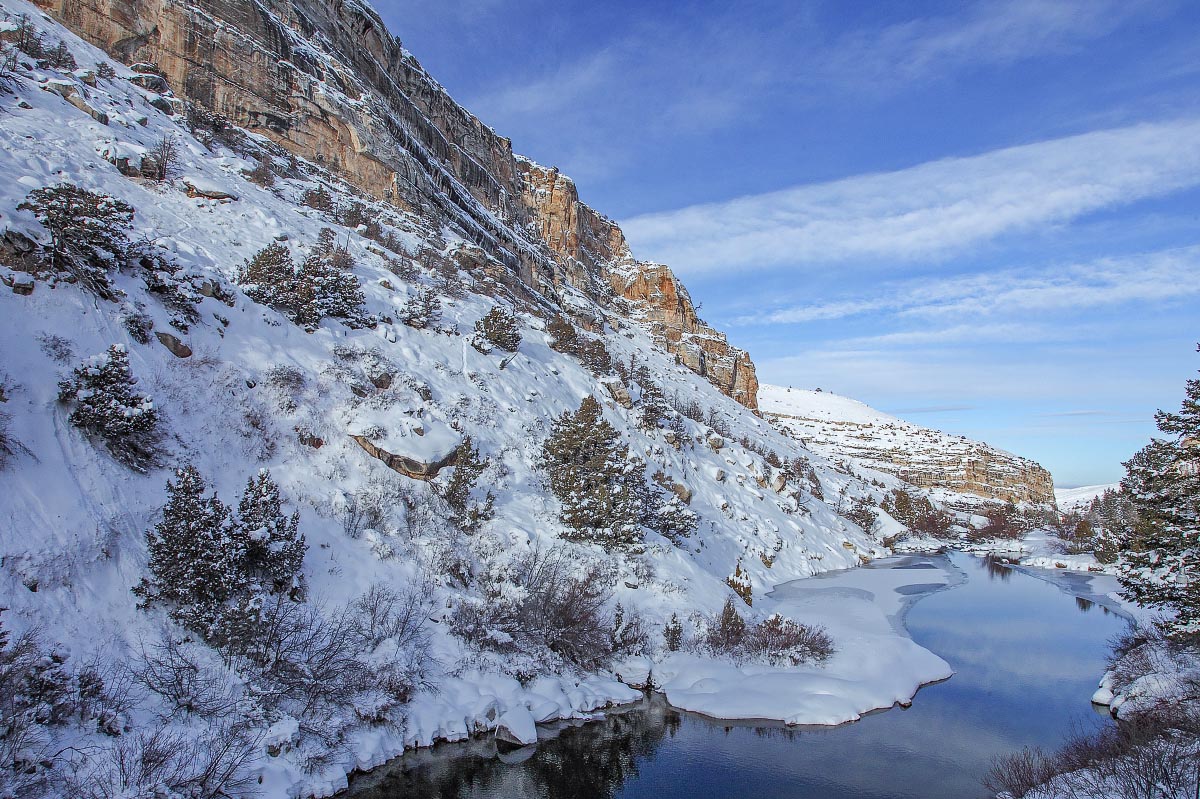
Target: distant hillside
{"x":1077,"y":498}
{"x":840,"y":427}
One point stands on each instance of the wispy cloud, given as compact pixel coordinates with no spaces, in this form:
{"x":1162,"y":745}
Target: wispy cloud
{"x":927,"y":211}
{"x":1149,"y":277}
{"x":981,"y":34}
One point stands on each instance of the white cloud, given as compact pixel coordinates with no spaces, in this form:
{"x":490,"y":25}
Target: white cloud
{"x":928,"y":211}
{"x":994,"y":33}
{"x":1148,"y":277}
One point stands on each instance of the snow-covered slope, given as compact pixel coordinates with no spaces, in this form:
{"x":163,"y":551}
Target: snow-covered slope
{"x":1080,"y":497}
{"x":843,"y":428}
{"x":240,"y":388}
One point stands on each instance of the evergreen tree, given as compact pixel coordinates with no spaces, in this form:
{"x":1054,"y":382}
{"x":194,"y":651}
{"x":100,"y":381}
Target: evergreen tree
{"x":335,"y":291}
{"x":270,"y":278}
{"x":1161,"y":564}
{"x":499,"y":328}
{"x":87,"y":231}
{"x":589,"y":472}
{"x":274,"y":546}
{"x":197,"y":556}
{"x":662,"y":511}
{"x":468,"y":466}
{"x":424,"y":310}
{"x":652,"y":404}
{"x":673,"y":634}
{"x":107,"y":405}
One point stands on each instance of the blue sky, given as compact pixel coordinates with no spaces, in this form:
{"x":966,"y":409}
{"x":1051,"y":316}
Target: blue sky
{"x":983,"y":217}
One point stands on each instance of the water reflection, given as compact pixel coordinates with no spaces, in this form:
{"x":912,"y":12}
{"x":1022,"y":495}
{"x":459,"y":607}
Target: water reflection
{"x":1026,"y":657}
{"x":582,"y":761}
{"x":997,"y":569}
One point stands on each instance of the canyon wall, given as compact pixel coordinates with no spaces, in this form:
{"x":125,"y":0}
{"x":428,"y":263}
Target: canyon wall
{"x":326,"y":80}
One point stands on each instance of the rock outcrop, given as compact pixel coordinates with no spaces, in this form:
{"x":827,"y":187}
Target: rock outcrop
{"x":325,"y":80}
{"x":842,"y":428}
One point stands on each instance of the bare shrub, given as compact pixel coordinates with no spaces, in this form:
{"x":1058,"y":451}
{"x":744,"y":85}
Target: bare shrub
{"x":168,"y":762}
{"x":553,"y":608}
{"x":263,"y":173}
{"x":287,"y":383}
{"x":776,"y":640}
{"x":1018,"y":774}
{"x":391,"y":628}
{"x":786,"y":642}
{"x":361,"y":512}
{"x":175,"y":673}
{"x":162,"y":160}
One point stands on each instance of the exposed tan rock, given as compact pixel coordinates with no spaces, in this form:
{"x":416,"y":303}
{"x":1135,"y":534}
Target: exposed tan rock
{"x":173,"y":344}
{"x":409,"y":467}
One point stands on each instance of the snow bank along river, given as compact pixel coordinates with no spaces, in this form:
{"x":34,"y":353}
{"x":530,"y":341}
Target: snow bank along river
{"x":1025,"y":654}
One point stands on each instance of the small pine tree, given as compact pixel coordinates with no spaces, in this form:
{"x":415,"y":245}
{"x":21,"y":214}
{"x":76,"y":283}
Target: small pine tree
{"x":468,"y":466}
{"x":499,"y":328}
{"x":652,"y":404}
{"x":105,"y":71}
{"x":664,"y":512}
{"x":274,"y":547}
{"x":728,"y":630}
{"x":424,"y":310}
{"x":87,"y":231}
{"x":589,"y":471}
{"x":107,"y":405}
{"x":270,"y":278}
{"x":197,"y":556}
{"x":334,"y":290}
{"x":673,"y":634}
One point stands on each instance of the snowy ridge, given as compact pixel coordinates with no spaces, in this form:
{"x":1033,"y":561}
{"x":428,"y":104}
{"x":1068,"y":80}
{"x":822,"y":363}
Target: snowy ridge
{"x":843,"y":428}
{"x":256,"y":391}
{"x":1079,"y":498}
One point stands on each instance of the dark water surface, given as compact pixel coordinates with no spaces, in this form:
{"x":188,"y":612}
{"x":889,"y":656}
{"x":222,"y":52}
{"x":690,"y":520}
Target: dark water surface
{"x":1026,"y":655}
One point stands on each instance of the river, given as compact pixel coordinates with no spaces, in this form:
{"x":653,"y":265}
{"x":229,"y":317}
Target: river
{"x":1026,"y":656}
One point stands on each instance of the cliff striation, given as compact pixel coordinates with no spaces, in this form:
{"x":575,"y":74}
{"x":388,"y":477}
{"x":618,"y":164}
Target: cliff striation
{"x":325,"y":80}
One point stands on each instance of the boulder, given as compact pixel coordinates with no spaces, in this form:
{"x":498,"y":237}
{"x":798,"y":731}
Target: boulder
{"x":197,"y":189}
{"x":683,"y":492}
{"x":172,"y":343}
{"x":716,"y":442}
{"x":517,"y":727}
{"x":619,"y":393}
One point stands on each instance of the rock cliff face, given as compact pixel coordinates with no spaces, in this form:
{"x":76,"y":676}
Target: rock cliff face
{"x":839,"y":427}
{"x":589,"y":245}
{"x":325,"y":80}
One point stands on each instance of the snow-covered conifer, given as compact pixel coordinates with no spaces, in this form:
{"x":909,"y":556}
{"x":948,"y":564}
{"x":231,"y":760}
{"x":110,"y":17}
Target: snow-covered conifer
{"x":106,"y":404}
{"x":197,"y":556}
{"x":87,"y":231}
{"x":274,"y":546}
{"x":424,"y":310}
{"x":589,"y":471}
{"x":499,"y":328}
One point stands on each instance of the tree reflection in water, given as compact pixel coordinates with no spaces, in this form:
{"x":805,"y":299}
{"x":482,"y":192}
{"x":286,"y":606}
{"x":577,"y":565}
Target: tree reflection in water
{"x":584,"y":761}
{"x":997,"y":569}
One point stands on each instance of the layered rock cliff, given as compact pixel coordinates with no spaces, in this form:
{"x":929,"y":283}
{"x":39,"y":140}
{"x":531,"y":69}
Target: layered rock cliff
{"x":326,"y":80}
{"x":840,"y":427}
